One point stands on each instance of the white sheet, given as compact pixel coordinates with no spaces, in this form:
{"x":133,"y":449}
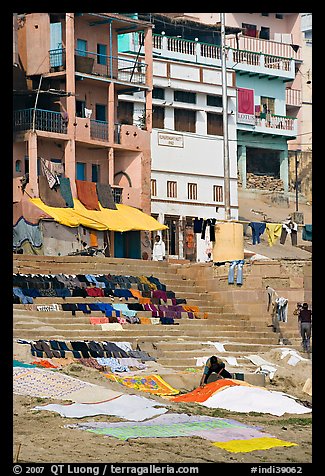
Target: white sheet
{"x":252,"y":399}
{"x":129,"y":407}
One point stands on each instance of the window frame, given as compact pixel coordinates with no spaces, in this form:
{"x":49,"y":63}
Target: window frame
{"x":171,"y":189}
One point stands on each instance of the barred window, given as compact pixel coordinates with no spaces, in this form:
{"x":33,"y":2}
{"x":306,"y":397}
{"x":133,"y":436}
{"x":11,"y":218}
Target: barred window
{"x":192,"y":191}
{"x":185,"y":96}
{"x":153,"y":187}
{"x":217,"y":193}
{"x":171,"y":189}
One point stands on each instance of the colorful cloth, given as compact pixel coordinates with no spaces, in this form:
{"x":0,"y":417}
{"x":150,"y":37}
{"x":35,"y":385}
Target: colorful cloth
{"x":150,"y":383}
{"x":171,"y":425}
{"x":244,"y":446}
{"x":201,"y":394}
{"x":273,"y":231}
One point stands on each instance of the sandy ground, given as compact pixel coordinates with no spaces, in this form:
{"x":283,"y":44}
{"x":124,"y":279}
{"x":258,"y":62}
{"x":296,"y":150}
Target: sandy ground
{"x":41,"y":436}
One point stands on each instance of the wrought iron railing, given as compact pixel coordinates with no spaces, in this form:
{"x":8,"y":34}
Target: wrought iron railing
{"x":99,"y":130}
{"x":39,"y":119}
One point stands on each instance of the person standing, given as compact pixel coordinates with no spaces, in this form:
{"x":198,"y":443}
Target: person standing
{"x":214,"y":364}
{"x":304,"y":322}
{"x":159,"y":251}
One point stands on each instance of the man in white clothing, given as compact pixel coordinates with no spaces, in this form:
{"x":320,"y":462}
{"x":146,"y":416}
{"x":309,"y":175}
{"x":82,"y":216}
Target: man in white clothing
{"x":158,"y":252}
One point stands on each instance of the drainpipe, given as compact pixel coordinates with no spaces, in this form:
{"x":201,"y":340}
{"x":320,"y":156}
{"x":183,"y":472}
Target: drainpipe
{"x":36,"y":100}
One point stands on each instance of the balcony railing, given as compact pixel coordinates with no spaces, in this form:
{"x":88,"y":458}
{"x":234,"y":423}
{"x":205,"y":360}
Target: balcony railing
{"x":98,"y":130}
{"x":40,"y":119}
{"x":113,"y":67}
{"x":293,"y":97}
{"x":57,"y":58}
{"x":277,"y":122}
{"x":205,"y":52}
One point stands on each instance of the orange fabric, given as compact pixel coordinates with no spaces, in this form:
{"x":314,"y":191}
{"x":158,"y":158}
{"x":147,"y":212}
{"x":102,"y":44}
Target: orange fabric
{"x":143,"y":300}
{"x":87,"y":194}
{"x":145,"y":320}
{"x":194,"y":309}
{"x":93,"y":238}
{"x":136,"y":293}
{"x":98,"y":320}
{"x":44,"y":363}
{"x":201,"y":394}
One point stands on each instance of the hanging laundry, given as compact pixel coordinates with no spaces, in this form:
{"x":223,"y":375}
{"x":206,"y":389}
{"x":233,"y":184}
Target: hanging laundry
{"x":105,"y":195}
{"x":258,"y":229}
{"x":197,"y":225}
{"x":51,"y":178}
{"x":24,"y":231}
{"x":307,"y":233}
{"x":65,"y":190}
{"x":289,"y":227}
{"x":210,"y":222}
{"x":273,"y":231}
{"x":231,"y":273}
{"x":87,"y":194}
{"x":50,"y":196}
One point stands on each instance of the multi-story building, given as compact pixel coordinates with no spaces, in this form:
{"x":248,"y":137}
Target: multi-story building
{"x":263,"y":55}
{"x":68,"y":80}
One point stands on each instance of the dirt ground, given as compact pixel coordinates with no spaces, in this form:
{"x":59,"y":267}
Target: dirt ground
{"x":41,"y":436}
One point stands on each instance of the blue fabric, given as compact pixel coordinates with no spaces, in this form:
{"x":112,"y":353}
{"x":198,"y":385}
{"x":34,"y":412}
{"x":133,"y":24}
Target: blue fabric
{"x":24,"y":231}
{"x":231,"y":273}
{"x":23,"y":299}
{"x":307,"y":233}
{"x":258,"y":229}
{"x":65,"y":189}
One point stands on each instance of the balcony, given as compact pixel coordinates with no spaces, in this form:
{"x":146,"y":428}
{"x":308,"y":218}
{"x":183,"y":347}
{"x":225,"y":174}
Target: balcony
{"x":248,"y":60}
{"x":273,"y":124}
{"x":38,"y":119}
{"x":99,"y":130}
{"x":293,"y":97}
{"x":111,"y":67}
{"x":268,"y":47}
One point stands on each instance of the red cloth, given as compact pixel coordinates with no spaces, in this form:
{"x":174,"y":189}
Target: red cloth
{"x":95,"y":292}
{"x":87,"y":194}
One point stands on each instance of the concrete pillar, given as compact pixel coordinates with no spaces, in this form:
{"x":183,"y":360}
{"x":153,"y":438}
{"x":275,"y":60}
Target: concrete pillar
{"x":284,"y":169}
{"x":111,"y":166}
{"x":70,"y":147}
{"x":149,"y":73}
{"x":242,"y":164}
{"x":111,"y":112}
{"x":70,"y":165}
{"x":32,"y":156}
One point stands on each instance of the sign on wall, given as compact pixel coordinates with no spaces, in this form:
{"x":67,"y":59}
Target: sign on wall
{"x":171,"y":140}
{"x":245,"y":106}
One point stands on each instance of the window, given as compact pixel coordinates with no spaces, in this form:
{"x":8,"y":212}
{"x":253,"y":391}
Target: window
{"x":192,"y":191}
{"x":125,"y":112}
{"x":100,"y":112}
{"x":158,"y":93}
{"x":217,"y":193}
{"x":279,"y":16}
{"x":158,"y":117}
{"x":171,"y":189}
{"x":214,"y":124}
{"x":81,"y":171}
{"x":184,"y":120}
{"x":185,"y":96}
{"x":249,"y":30}
{"x":264,"y":14}
{"x":81,"y":47}
{"x":26,"y":163}
{"x":267,"y":106}
{"x":95,"y":168}
{"x":214,"y":101}
{"x":153,"y":187}
{"x":265,"y":33}
{"x":101,"y":53}
{"x":80,"y":108}
{"x":18,"y":166}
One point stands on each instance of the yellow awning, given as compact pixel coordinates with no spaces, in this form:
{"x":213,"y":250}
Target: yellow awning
{"x":125,"y":218}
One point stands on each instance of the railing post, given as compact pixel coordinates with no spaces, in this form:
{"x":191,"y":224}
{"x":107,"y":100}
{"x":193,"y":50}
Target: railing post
{"x":164,"y":43}
{"x":262,"y":60}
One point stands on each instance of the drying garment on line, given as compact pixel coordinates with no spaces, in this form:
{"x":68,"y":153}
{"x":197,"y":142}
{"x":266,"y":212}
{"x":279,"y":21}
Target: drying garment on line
{"x":210,"y":222}
{"x":87,"y":194}
{"x":282,"y":309}
{"x":289,"y":228}
{"x":231,"y":273}
{"x":23,"y":299}
{"x":273,"y":231}
{"x":197,"y":225}
{"x":307,"y":233}
{"x":51,"y":178}
{"x":258,"y":229}
{"x":24,"y":231}
{"x":50,"y":196}
{"x":105,"y":196}
{"x":65,"y":190}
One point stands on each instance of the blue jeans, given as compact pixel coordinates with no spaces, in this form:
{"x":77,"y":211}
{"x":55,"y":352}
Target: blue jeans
{"x":231,"y":273}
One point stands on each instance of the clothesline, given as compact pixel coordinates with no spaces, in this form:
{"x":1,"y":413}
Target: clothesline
{"x":250,"y":221}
